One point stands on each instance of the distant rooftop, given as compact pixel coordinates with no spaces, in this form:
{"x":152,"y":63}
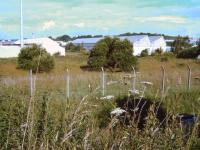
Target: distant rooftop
{"x":154,"y":38}
{"x":87,"y":40}
{"x":134,"y":38}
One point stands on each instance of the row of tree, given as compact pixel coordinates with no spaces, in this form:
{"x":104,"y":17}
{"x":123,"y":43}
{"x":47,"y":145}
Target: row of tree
{"x":111,"y":53}
{"x":183,"y":48}
{"x":67,"y":38}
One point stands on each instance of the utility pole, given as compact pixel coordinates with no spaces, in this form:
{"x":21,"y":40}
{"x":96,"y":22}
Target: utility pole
{"x":21,"y":26}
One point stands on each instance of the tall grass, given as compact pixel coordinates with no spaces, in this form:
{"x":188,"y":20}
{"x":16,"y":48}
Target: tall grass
{"x":58,"y":123}
{"x":52,"y":121}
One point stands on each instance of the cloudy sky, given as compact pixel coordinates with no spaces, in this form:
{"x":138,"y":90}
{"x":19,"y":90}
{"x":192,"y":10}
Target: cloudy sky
{"x":108,"y":17}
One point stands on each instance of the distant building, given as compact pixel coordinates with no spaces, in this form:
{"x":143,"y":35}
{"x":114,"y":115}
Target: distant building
{"x":157,"y":42}
{"x":140,"y":43}
{"x":11,"y":48}
{"x":9,"y":51}
{"x":50,"y":45}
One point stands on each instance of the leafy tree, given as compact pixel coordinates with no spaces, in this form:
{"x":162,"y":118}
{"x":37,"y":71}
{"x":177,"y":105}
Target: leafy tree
{"x":198,"y":43}
{"x":144,"y":53}
{"x":192,"y":53}
{"x":35,"y":57}
{"x":112,"y":53}
{"x":180,"y":43}
{"x":64,"y":38}
{"x":73,"y":48}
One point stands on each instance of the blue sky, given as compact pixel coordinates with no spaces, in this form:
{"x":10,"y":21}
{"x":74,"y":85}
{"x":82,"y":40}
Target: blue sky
{"x":107,"y":17}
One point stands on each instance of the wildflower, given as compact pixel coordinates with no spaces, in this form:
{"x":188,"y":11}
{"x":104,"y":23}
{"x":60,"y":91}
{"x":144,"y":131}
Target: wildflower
{"x":109,"y":97}
{"x":134,"y":92}
{"x":147,"y":83}
{"x":112,"y":82}
{"x":117,"y":112}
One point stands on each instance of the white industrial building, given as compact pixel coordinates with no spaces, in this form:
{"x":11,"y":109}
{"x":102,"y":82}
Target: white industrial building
{"x":13,"y":50}
{"x":140,"y":43}
{"x":157,"y":42}
{"x":50,"y":45}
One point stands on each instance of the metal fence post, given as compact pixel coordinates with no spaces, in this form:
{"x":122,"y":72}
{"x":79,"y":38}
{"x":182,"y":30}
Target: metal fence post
{"x":67,"y":84}
{"x":133,"y":79}
{"x":31,"y":83}
{"x":163,"y":80}
{"x":102,"y":81}
{"x":34,"y":83}
{"x":189,"y":77}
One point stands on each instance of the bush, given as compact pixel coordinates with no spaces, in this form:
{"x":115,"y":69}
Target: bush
{"x":193,"y":53}
{"x":112,"y":53}
{"x":168,"y":54}
{"x":157,"y":52}
{"x":34,"y":58}
{"x":144,"y":53}
{"x":57,"y":54}
{"x":181,"y":43}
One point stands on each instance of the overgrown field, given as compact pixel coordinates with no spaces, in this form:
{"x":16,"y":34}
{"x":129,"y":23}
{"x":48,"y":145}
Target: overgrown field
{"x":49,"y":120}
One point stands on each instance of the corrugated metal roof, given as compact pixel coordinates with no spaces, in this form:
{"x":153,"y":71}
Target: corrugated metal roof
{"x":87,"y":40}
{"x":134,"y":38}
{"x":154,"y":38}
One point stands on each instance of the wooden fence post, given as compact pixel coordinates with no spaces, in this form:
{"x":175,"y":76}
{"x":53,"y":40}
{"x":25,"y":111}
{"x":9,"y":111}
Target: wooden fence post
{"x":189,"y":77}
{"x":133,"y":79}
{"x":67,"y":84}
{"x":163,"y":80}
{"x":102,"y":81}
{"x":31,"y":83}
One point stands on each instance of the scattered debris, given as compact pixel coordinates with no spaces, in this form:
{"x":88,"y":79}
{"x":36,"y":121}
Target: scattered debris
{"x":187,"y":123}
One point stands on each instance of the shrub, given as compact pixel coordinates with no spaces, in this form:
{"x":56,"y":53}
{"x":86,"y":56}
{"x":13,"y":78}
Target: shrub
{"x":112,"y":53}
{"x":189,"y":53}
{"x":144,"y":53}
{"x":168,"y":54}
{"x":157,"y":52}
{"x":34,"y":58}
{"x":57,"y":54}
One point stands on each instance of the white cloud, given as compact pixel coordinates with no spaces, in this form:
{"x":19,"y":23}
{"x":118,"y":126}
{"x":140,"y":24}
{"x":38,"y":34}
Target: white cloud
{"x":169,"y":19}
{"x":47,"y":25}
{"x":80,"y":25}
{"x":105,"y":28}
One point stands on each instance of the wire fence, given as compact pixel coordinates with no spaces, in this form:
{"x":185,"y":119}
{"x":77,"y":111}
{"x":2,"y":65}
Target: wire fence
{"x":107,"y":83}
